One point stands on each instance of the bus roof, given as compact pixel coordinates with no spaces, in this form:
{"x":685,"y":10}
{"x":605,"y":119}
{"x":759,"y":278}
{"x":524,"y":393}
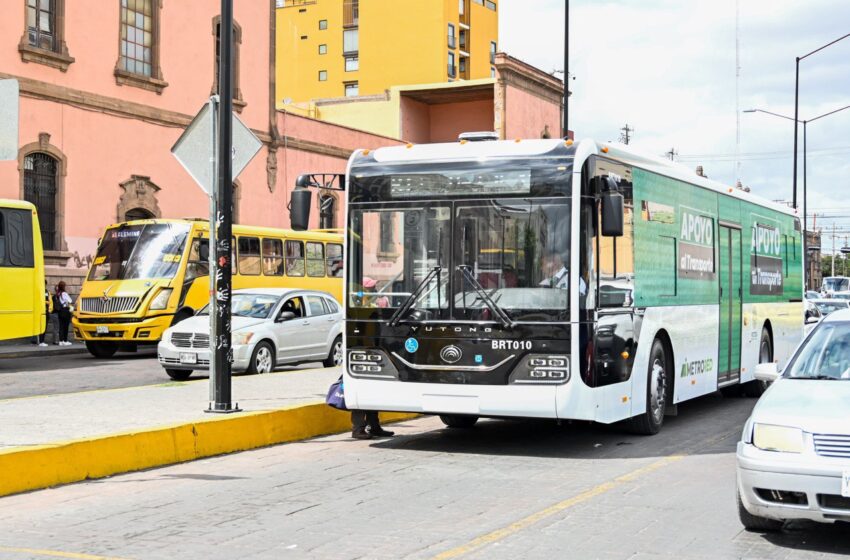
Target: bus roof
{"x":462,"y":151}
{"x":16,"y":203}
{"x":240,"y":229}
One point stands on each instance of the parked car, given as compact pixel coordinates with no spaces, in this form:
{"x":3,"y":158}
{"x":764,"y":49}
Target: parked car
{"x":811,"y":294}
{"x":270,"y":326}
{"x":827,"y":306}
{"x":841,"y":295}
{"x":794,"y":454}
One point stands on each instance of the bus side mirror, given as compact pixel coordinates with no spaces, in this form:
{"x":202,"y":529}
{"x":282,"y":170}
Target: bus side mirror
{"x":299,"y":204}
{"x":612,"y":210}
{"x":204,"y":252}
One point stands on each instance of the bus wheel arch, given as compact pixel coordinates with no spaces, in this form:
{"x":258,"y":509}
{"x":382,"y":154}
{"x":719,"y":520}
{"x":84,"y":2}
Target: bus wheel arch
{"x":660,"y":368}
{"x":756,"y":388}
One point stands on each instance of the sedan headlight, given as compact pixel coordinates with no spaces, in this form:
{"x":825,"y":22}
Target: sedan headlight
{"x":778,"y":438}
{"x":161,"y":299}
{"x":242,"y":338}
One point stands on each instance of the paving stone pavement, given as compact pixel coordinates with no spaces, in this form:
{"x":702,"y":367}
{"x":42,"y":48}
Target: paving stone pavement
{"x":429,"y":492}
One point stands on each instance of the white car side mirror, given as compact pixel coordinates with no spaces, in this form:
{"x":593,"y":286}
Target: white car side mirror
{"x":768,"y":372}
{"x":812,"y":320}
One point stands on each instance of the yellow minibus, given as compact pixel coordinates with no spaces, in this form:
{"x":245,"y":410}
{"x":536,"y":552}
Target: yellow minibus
{"x":22,"y":310}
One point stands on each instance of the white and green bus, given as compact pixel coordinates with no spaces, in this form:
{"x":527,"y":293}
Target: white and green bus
{"x":552,"y":279}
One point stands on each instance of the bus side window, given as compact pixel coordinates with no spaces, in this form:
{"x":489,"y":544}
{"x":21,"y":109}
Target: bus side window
{"x":294,"y":258}
{"x":315,"y":259}
{"x":616,"y":256}
{"x":249,"y":256}
{"x":18,"y":241}
{"x":198,"y":264}
{"x":334,"y":260}
{"x":2,"y":239}
{"x":272,"y":257}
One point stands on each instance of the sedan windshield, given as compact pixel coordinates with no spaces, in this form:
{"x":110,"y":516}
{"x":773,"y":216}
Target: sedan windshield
{"x":140,"y":251}
{"x":827,"y":307}
{"x":826,"y":355}
{"x":258,"y":306}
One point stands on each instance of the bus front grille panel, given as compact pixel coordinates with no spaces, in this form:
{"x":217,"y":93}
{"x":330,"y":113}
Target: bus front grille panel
{"x":832,"y":445}
{"x":190,"y":340}
{"x":109,"y":305}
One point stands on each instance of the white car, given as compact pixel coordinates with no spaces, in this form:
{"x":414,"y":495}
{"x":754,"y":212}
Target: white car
{"x":270,"y":326}
{"x":794,"y":454}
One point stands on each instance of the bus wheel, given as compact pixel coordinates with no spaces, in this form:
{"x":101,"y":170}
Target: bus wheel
{"x":458,"y":420}
{"x":101,"y":349}
{"x":178,"y":374}
{"x":335,"y":356}
{"x":649,"y":423}
{"x":262,"y":360}
{"x":756,"y":388}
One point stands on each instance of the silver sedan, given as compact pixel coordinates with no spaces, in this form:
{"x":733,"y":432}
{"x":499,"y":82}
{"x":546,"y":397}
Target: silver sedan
{"x":270,"y":326}
{"x":794,"y":454}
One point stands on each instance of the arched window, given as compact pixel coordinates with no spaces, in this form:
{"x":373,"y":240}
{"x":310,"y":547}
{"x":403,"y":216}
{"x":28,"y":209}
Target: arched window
{"x":138,"y":214}
{"x":327,"y":211}
{"x":40,"y":188}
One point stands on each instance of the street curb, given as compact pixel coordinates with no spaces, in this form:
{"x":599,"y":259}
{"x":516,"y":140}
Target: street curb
{"x":44,"y":466}
{"x":42,"y":352}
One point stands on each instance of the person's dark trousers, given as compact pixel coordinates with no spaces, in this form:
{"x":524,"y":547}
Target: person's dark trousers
{"x":64,"y":323}
{"x":362,"y":418}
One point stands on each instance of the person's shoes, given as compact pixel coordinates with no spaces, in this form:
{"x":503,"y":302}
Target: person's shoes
{"x":380,"y":432}
{"x":42,"y":344}
{"x":361,"y":434}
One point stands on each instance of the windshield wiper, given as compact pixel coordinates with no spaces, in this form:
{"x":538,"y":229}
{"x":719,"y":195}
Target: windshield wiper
{"x":479,"y":289}
{"x":411,"y":299}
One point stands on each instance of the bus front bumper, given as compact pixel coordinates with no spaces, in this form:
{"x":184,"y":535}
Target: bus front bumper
{"x":94,"y":328}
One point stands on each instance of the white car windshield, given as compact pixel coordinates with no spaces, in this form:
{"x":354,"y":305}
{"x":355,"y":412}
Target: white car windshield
{"x":826,"y":355}
{"x":258,"y":306}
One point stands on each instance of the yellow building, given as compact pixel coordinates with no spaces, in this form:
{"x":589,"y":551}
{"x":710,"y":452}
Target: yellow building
{"x":348,"y":48}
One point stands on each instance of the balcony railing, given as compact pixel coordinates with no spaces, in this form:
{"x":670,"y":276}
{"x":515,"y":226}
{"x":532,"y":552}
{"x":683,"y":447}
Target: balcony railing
{"x":351,"y":13}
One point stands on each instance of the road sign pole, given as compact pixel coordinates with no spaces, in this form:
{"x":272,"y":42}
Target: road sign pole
{"x":213,"y":266}
{"x":221,"y":380}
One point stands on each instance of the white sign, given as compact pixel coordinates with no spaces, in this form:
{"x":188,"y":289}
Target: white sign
{"x":9,"y":105}
{"x":195,"y":152}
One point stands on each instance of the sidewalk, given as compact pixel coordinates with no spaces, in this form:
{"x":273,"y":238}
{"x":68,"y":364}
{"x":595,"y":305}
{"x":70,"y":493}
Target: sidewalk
{"x":50,"y":440}
{"x":22,"y":348}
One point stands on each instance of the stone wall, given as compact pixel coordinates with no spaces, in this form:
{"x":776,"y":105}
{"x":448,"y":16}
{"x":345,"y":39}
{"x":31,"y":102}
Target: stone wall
{"x":73,"y":278}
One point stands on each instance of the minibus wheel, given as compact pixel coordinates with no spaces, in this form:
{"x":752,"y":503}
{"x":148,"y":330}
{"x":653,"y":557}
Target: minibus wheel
{"x":101,"y":349}
{"x":458,"y":420}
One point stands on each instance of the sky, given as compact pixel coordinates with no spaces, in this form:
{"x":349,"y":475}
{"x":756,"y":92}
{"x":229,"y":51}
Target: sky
{"x":667,"y":69}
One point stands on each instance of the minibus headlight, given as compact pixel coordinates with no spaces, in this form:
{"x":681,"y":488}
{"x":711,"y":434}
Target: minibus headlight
{"x":778,"y":438}
{"x":161,"y":299}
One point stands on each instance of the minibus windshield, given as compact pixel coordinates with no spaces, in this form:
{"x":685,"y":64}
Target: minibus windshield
{"x":140,"y":251}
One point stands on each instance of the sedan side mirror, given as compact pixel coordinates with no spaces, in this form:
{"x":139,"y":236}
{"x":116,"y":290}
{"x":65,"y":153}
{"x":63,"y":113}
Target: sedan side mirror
{"x":767,"y":372}
{"x":812,"y":320}
{"x":285,"y":316}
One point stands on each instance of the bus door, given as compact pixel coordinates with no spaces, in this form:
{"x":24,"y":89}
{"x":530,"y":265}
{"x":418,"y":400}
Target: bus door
{"x":729,"y":358}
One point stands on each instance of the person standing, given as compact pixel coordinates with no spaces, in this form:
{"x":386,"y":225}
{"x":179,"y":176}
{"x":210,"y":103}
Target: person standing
{"x":62,"y":303}
{"x":48,"y":311}
{"x":360,"y":419}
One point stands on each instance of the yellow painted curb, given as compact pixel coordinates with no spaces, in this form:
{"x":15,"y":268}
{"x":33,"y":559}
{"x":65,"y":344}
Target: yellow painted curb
{"x":32,"y":468}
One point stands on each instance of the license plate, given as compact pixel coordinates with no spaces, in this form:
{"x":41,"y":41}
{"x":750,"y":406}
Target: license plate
{"x":102,"y":329}
{"x":845,"y":484}
{"x":188,"y":358}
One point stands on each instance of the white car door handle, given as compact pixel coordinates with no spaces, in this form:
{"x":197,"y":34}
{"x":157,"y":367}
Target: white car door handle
{"x":305,"y":322}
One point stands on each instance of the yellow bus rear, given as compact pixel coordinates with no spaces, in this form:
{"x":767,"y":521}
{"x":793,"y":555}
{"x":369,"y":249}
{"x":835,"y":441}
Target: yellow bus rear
{"x":150,"y":274}
{"x":22,"y":311}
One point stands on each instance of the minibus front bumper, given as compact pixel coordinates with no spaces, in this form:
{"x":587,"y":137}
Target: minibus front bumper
{"x":96,"y":328}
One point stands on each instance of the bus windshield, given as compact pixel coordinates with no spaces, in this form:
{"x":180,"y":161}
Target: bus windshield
{"x":836,"y":284}
{"x":140,"y":251}
{"x":473,"y":260}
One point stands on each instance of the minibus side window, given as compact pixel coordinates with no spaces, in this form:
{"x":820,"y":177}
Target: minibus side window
{"x":249,"y":256}
{"x":315,"y":259}
{"x":334,"y":260}
{"x":272,"y":257}
{"x":294,"y":258}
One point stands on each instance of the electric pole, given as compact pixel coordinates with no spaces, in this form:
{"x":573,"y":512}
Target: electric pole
{"x":672,"y":154}
{"x":625,"y":137}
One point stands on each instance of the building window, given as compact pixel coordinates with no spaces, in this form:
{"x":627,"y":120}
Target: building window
{"x":43,"y":39}
{"x":451,"y":36}
{"x":492,"y":72}
{"x":492,"y":52}
{"x":40,"y":188}
{"x":352,"y":89}
{"x":490,"y":4}
{"x":137,"y":36}
{"x":323,"y":75}
{"x":352,"y":64}
{"x":323,"y":24}
{"x":327,"y":211}
{"x":138,"y":214}
{"x":479,"y":2}
{"x":351,"y":40}
{"x":451,"y":69}
{"x":462,"y":39}
{"x":41,"y":24}
{"x":237,"y":42}
{"x":351,"y":13}
{"x":462,"y":64}
{"x":323,"y":49}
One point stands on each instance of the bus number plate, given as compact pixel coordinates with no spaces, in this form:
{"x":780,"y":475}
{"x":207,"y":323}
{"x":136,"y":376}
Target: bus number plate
{"x":188,"y":358}
{"x":102,"y":329}
{"x":845,"y":484}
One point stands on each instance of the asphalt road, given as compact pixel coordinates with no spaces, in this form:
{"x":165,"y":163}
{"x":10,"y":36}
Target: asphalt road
{"x":505,"y":489}
{"x":73,"y":373}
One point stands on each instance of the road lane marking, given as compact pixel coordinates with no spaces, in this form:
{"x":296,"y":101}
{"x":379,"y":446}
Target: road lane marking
{"x":58,"y":553}
{"x":530,"y":520}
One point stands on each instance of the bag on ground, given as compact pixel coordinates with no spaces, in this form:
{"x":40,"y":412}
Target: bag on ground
{"x":336,"y":396}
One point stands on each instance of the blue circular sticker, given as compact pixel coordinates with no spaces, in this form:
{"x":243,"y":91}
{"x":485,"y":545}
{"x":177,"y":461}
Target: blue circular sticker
{"x":411,"y":345}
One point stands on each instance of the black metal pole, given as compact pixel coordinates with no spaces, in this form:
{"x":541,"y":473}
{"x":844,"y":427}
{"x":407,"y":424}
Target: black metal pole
{"x":805,"y":218}
{"x":566,"y":127}
{"x":224,"y":219}
{"x":796,"y":124}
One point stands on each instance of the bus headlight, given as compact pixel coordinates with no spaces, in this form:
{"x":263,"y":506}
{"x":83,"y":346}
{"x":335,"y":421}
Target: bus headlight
{"x":372,"y":364}
{"x":778,"y":438}
{"x":541,"y":369}
{"x":161,"y":299}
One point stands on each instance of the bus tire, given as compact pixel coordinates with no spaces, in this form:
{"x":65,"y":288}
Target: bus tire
{"x":459,"y":421}
{"x":657,"y":381}
{"x":101,"y":349}
{"x":756,"y":388}
{"x":262,"y":359}
{"x":335,"y":355}
{"x":754,"y":523}
{"x":178,"y":374}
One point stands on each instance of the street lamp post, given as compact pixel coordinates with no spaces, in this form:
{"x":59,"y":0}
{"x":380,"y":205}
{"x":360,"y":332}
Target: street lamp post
{"x":805,"y":174}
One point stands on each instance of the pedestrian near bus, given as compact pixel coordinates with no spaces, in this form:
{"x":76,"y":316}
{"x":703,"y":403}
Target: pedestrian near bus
{"x":360,"y":419}
{"x":62,"y":303}
{"x":48,"y":311}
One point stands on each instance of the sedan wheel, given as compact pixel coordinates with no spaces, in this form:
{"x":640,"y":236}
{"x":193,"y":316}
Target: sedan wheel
{"x":335,"y":356}
{"x":262,"y":360}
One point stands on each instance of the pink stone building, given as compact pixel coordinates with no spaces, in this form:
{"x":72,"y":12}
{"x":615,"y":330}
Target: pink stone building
{"x":106,"y":92}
